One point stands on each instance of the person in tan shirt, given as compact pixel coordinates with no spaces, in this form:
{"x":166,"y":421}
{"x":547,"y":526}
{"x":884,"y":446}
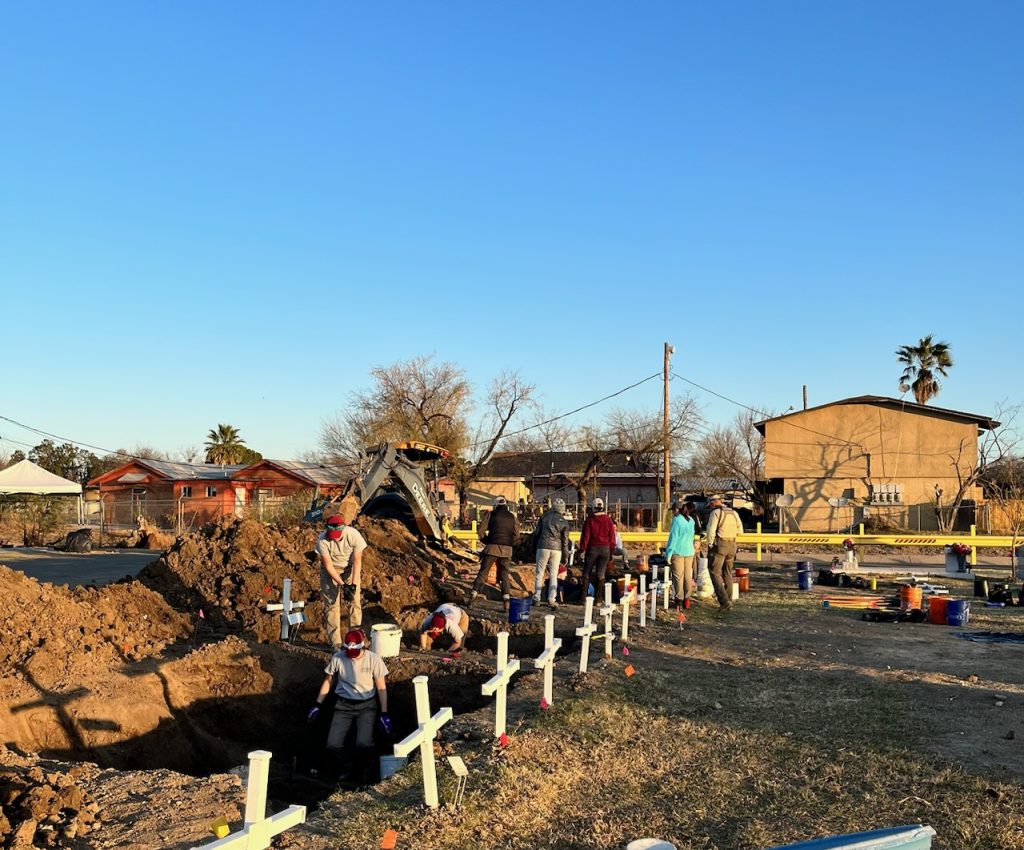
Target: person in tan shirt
{"x":723,"y":527}
{"x":340,"y":553}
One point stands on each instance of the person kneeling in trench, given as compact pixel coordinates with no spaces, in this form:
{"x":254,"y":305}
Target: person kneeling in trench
{"x":360,"y":686}
{"x":447,"y":618}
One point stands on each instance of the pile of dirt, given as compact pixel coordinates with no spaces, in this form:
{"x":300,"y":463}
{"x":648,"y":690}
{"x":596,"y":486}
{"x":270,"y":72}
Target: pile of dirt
{"x":51,"y":632}
{"x":232,"y":568}
{"x":44,"y":809}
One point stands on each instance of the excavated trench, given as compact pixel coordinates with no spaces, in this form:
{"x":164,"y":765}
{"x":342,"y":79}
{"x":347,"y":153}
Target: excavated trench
{"x":241,"y":697}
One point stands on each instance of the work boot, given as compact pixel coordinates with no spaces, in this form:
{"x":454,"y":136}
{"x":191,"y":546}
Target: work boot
{"x":504,"y":602}
{"x":553,"y":605}
{"x":471,"y":598}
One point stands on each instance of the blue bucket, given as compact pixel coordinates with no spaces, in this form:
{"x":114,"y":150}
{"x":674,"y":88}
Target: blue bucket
{"x":803,"y":574}
{"x":519,"y":610}
{"x":958,"y":612}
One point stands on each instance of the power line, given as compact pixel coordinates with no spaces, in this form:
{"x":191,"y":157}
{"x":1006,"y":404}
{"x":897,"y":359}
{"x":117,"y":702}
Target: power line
{"x":569,"y":413}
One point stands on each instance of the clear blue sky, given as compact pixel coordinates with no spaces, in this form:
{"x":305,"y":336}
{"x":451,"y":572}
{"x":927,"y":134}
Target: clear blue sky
{"x":228,"y":212}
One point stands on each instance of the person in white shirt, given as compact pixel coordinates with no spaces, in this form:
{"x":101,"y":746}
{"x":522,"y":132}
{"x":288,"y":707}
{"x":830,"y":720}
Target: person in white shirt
{"x":447,"y":618}
{"x":340,"y":551}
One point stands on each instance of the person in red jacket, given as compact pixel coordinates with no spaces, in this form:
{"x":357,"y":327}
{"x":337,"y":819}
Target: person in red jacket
{"x":597,"y":542}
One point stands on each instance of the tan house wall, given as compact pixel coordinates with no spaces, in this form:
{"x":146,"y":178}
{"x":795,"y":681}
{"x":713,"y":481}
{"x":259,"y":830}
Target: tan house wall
{"x":844,"y":449}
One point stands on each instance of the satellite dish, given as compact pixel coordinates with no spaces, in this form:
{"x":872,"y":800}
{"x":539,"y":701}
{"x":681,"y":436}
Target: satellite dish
{"x":838,"y":502}
{"x":784,"y":501}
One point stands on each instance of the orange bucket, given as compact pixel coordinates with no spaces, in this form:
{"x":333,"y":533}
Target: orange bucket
{"x":910,"y":598}
{"x":743,"y":579}
{"x":937,"y":610}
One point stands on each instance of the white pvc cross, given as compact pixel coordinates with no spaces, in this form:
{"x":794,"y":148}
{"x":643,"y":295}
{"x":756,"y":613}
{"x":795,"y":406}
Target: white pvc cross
{"x":625,"y":608}
{"x":642,"y":600}
{"x":499,"y":683}
{"x":289,"y":616}
{"x":546,"y":660}
{"x":607,"y":611}
{"x":655,"y":590}
{"x":585,"y":631}
{"x":258,"y":830}
{"x":423,"y":738}
{"x":666,"y":584}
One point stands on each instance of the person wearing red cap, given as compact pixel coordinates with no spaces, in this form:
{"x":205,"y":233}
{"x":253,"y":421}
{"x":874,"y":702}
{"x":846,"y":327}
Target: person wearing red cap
{"x":447,"y":618}
{"x":340,"y":550}
{"x":360,"y":675}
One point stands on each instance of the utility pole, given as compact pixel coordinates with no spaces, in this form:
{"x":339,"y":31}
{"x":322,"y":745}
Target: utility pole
{"x":667,"y":485}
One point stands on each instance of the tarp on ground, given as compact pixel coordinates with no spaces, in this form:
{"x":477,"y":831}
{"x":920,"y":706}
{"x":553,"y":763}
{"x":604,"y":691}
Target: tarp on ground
{"x":25,"y":477}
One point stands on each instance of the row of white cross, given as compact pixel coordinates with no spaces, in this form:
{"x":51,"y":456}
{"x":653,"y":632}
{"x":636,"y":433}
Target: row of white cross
{"x":258,"y":830}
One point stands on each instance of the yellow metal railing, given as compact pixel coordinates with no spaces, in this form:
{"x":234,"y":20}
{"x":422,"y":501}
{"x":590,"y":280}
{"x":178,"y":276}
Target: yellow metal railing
{"x":761,"y":538}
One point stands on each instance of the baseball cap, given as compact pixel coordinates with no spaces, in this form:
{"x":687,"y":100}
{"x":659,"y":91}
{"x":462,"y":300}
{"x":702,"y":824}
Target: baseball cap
{"x":599,"y":503}
{"x":436,"y":623}
{"x":717,"y":498}
{"x":355,"y":640}
{"x":335,"y":524}
{"x":501,"y":500}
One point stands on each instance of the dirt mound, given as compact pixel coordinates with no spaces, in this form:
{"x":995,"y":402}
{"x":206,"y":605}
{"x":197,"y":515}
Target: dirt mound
{"x":40,"y":809}
{"x":231,"y":569}
{"x":51,"y":633}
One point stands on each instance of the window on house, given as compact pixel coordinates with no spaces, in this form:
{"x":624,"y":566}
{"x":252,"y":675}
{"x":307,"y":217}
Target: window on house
{"x":186,"y":492}
{"x":211,"y":492}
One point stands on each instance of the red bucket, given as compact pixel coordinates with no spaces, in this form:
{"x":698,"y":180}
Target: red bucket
{"x":743,"y":579}
{"x":937,"y":610}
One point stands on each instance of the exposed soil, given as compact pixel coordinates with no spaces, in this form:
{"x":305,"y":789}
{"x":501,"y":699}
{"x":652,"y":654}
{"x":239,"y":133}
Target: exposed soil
{"x":233,"y":568}
{"x":162,"y":714}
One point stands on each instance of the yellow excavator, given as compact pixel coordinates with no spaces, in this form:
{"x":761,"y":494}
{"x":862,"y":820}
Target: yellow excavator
{"x":393,"y":484}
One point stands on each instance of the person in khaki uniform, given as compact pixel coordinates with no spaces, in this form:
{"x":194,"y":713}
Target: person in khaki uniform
{"x":340,"y":551}
{"x":723,"y":527}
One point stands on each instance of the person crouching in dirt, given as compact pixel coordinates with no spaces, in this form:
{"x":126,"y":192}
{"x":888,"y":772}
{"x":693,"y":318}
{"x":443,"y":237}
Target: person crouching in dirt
{"x":447,"y":618}
{"x":361,"y":685}
{"x":340,"y":550}
{"x":498,"y":532}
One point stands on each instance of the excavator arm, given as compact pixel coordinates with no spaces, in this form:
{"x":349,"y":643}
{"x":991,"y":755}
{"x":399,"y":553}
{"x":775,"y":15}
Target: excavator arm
{"x":393,"y":472}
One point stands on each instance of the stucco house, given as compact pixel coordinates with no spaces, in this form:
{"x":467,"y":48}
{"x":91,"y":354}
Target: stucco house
{"x":870,"y":455}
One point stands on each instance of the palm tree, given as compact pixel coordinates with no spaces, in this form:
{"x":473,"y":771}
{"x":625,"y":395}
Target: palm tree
{"x":922,"y":362}
{"x":224,"y":444}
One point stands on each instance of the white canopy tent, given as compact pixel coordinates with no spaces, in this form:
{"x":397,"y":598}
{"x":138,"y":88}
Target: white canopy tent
{"x":27,"y":478}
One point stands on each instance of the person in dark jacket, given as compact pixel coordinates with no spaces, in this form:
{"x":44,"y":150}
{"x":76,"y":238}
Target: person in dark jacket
{"x":597,"y":541}
{"x":499,"y":532}
{"x":552,"y":550}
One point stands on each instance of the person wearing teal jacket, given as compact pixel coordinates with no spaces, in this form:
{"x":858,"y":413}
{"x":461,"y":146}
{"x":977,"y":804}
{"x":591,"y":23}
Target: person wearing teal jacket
{"x":679,"y":553}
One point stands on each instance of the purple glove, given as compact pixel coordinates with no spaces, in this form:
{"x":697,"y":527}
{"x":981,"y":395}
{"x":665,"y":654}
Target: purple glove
{"x":385,"y":724}
{"x":314,"y":712}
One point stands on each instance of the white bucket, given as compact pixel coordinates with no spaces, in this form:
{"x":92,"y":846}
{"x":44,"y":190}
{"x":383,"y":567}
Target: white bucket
{"x":735,"y":592}
{"x":386,"y":640}
{"x":705,"y":590}
{"x":390,"y":765}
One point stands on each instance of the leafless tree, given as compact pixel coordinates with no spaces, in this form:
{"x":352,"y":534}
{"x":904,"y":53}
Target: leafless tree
{"x":417,"y":399}
{"x":734,"y":451}
{"x":641,"y":433}
{"x":969,"y":461}
{"x":507,"y":395}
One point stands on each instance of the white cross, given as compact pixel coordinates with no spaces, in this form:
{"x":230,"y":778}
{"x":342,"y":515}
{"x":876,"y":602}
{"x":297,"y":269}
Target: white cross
{"x":655,"y":590}
{"x":499,"y":683}
{"x":666,"y":583}
{"x":642,"y":600}
{"x":585,"y":631}
{"x":625,"y":608}
{"x":546,"y":660}
{"x":607,"y":610}
{"x":258,"y":830}
{"x":423,"y":738}
{"x":289,"y":616}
